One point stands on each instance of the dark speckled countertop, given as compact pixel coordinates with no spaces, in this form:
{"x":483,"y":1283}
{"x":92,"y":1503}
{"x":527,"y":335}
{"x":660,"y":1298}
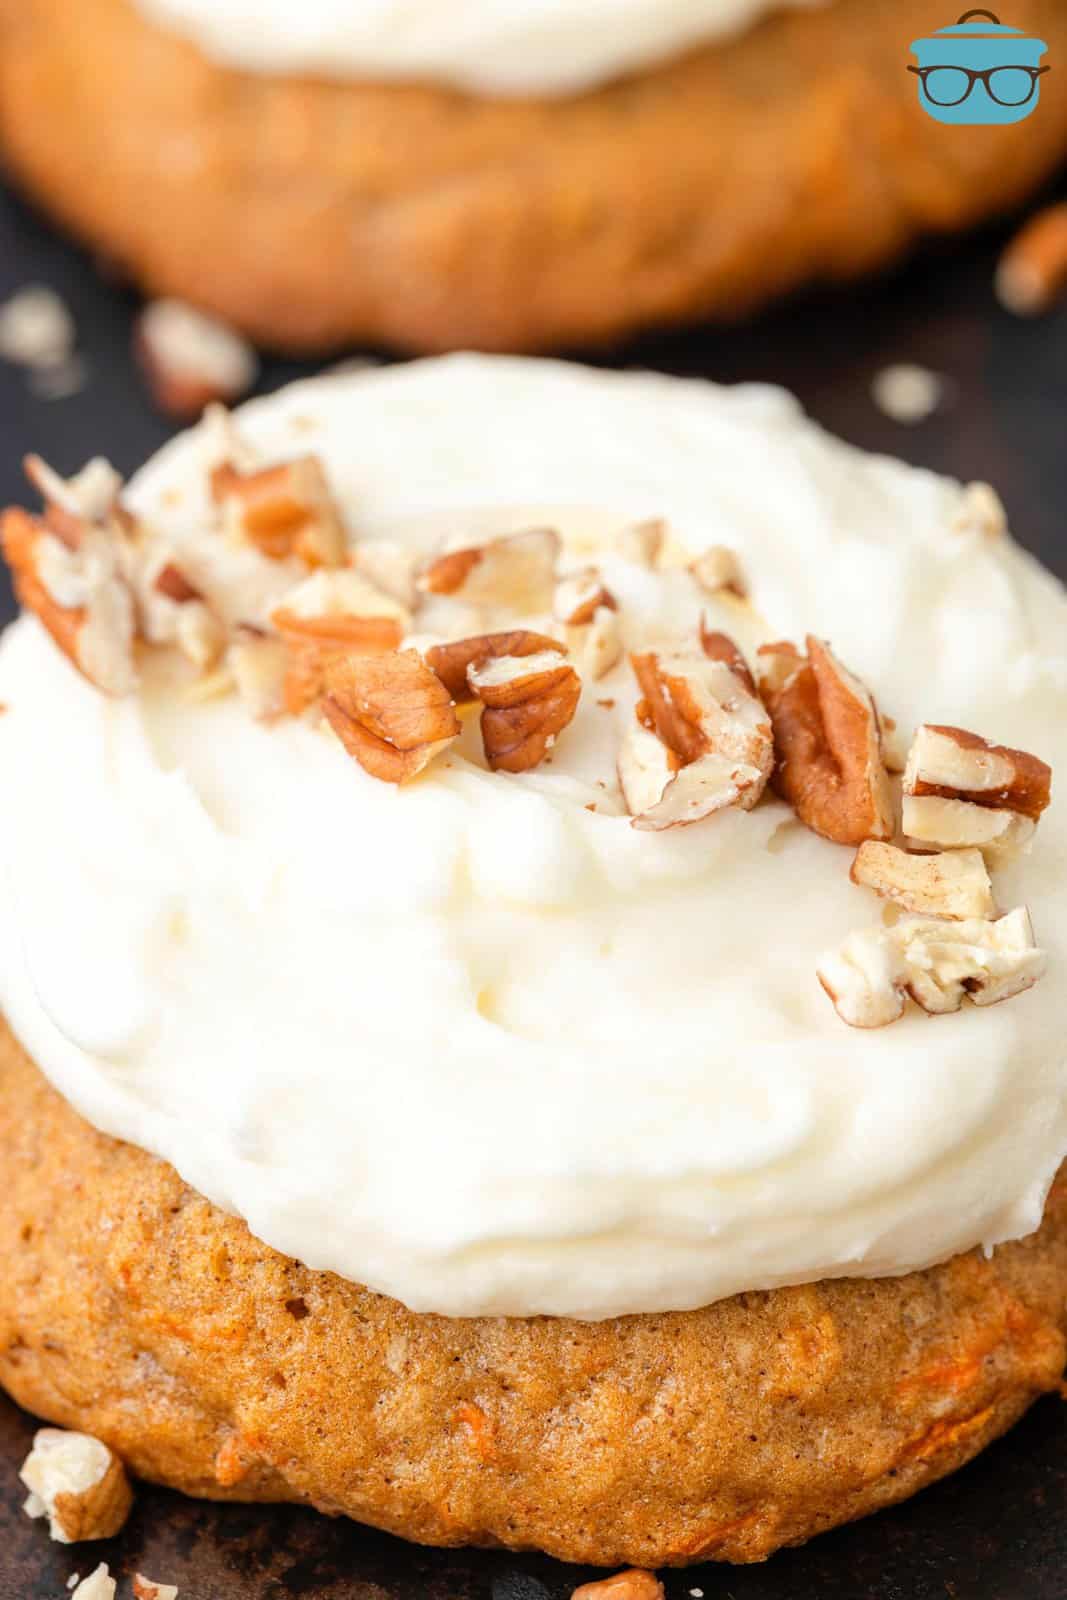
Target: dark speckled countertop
{"x":996,"y":1531}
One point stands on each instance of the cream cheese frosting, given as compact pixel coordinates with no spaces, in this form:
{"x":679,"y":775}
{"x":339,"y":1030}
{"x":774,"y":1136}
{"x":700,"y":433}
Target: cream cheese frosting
{"x":491,"y":46}
{"x":469,"y":1041}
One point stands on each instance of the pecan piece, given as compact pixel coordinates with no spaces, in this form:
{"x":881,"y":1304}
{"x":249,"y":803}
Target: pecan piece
{"x":645,"y":767}
{"x":517,"y":571}
{"x":146,"y":1589}
{"x":73,"y":506}
{"x":717,"y":570}
{"x":707,"y":718}
{"x":939,"y":964}
{"x":391,"y":712}
{"x":191,"y":360}
{"x":960,"y":790}
{"x":78,"y":1484}
{"x":720,"y":647}
{"x":596,"y":645}
{"x":528,"y":702}
{"x":78,"y":594}
{"x":284,"y":510}
{"x":952,"y":884}
{"x":259,"y":664}
{"x":328,"y":615}
{"x":633,"y":1584}
{"x":828,"y":744}
{"x":99,"y":1585}
{"x":453,"y":661}
{"x":642,"y":542}
{"x":579,"y":596}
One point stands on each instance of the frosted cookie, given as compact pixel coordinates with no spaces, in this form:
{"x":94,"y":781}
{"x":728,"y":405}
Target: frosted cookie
{"x":533,"y":920}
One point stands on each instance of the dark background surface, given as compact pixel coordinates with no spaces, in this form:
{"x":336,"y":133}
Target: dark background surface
{"x":998,"y":1530}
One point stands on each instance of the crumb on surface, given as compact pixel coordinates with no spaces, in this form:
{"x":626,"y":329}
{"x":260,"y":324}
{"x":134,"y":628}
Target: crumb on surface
{"x":907,"y":393}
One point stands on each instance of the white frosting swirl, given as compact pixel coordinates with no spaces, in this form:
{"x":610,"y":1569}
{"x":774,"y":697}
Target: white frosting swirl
{"x":469,"y":1042}
{"x":491,"y":46}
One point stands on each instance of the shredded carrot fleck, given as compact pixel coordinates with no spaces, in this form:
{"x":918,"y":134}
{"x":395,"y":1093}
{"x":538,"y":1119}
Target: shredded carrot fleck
{"x":713,"y":1538}
{"x":942,"y":1436}
{"x":480,"y":1429}
{"x":230,"y":1465}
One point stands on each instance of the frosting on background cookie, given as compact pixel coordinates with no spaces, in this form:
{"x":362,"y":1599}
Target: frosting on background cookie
{"x":493,"y":46}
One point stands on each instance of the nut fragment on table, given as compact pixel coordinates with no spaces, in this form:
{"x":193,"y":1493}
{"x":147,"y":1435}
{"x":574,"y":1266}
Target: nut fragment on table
{"x":1032,"y":274}
{"x":828,"y":744}
{"x":938,"y":963}
{"x":145,"y":1589}
{"x":633,"y":1584}
{"x":907,"y":393}
{"x":99,"y":1585}
{"x":36,"y":328}
{"x":190,"y":359}
{"x":78,"y":1484}
{"x":953,"y":883}
{"x":962,"y":791}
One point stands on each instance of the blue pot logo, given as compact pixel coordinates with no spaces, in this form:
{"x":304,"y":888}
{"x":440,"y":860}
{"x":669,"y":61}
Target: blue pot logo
{"x":979,"y":72}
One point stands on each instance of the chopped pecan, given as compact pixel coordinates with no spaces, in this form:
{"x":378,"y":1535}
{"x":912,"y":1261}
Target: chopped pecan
{"x":939,"y":964}
{"x":720,"y":647}
{"x":330,"y":614}
{"x":596,"y":646}
{"x":1032,"y":273}
{"x":90,"y":498}
{"x":717,"y":569}
{"x":956,"y":765}
{"x":99,"y":1585}
{"x":78,"y":594}
{"x":284,"y":510}
{"x":633,"y":1584}
{"x":145,"y":1589}
{"x":191,"y":360}
{"x":642,"y":542}
{"x":259,"y":664}
{"x":953,"y":884}
{"x":453,"y":661}
{"x":960,"y":790}
{"x":390,"y":567}
{"x":646,"y":766}
{"x":172,"y":610}
{"x":706,"y":716}
{"x":78,"y":1484}
{"x":391,"y":712}
{"x":528,"y":701}
{"x":517,"y":571}
{"x":981,"y":511}
{"x":828,"y":744}
{"x":579,"y":596}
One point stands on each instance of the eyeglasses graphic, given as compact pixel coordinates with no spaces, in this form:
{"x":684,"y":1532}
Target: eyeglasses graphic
{"x":1007,"y":86}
